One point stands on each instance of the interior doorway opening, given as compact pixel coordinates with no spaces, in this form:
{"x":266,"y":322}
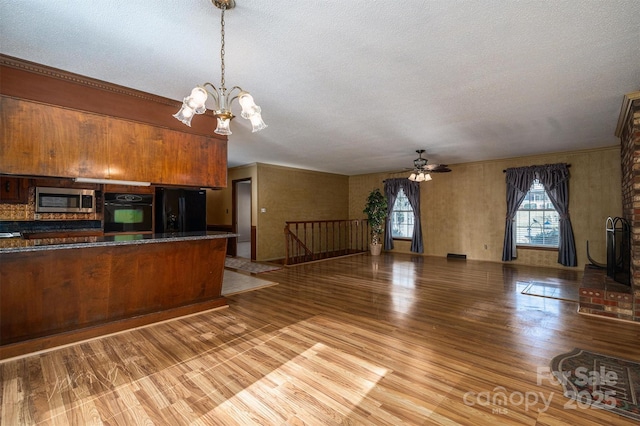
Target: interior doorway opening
{"x":245,"y":242}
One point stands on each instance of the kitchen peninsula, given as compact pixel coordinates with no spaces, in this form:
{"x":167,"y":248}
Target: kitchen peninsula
{"x":54,"y":294}
{"x":61,"y":278}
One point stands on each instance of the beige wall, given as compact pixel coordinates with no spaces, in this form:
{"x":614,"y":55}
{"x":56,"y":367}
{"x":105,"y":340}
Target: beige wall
{"x":220,"y":201}
{"x":289,"y":194}
{"x":464,"y":210}
{"x":286,"y":194}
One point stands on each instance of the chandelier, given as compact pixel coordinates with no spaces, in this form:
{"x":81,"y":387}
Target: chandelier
{"x":223,"y":98}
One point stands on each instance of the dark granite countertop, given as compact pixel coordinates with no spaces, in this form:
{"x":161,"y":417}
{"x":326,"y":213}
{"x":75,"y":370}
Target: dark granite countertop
{"x":86,"y":242}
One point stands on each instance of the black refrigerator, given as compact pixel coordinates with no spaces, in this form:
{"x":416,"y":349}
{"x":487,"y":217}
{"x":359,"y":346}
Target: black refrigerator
{"x":180,"y":210}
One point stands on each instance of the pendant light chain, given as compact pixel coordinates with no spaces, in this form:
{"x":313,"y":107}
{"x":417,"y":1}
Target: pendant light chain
{"x":224,"y":7}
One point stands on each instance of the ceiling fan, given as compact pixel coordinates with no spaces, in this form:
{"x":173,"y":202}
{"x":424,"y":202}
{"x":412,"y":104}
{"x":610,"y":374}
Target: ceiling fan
{"x":421,"y":169}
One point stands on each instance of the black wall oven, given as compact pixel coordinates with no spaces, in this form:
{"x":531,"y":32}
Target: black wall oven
{"x":130,"y":213}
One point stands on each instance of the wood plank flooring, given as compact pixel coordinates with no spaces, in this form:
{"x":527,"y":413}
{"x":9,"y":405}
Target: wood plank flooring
{"x":388,"y":340}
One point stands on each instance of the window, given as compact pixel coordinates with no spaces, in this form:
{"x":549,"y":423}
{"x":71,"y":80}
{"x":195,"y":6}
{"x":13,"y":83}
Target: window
{"x":537,"y":219}
{"x":402,"y":217}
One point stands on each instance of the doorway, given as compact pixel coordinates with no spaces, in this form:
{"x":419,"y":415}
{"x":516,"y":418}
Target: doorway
{"x":245,"y":242}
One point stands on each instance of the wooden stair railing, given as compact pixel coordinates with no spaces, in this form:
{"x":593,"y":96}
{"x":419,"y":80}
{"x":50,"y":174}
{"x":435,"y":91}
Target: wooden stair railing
{"x":298,"y":247}
{"x":306,"y":241}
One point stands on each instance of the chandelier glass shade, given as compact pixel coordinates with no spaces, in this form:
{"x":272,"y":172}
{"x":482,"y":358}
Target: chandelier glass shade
{"x":194,"y":104}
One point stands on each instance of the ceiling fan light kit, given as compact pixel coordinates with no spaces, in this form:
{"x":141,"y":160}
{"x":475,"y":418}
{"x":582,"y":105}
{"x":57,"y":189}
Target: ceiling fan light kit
{"x":195,"y":103}
{"x":422,"y":170}
{"x":420,"y":177}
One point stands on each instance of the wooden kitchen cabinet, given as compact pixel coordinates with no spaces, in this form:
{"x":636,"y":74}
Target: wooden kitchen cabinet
{"x":45,"y":140}
{"x":136,"y":151}
{"x":104,"y":288}
{"x":128,"y":189}
{"x":14,"y":190}
{"x":146,"y":153}
{"x":42,"y":140}
{"x":190,"y":158}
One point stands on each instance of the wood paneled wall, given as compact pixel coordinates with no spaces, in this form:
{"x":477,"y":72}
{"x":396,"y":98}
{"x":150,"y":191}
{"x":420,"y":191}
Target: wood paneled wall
{"x":28,"y":80}
{"x":55,"y":294}
{"x":63,"y":125}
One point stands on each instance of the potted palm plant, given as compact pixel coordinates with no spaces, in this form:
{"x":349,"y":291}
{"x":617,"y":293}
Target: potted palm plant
{"x":376,"y":211}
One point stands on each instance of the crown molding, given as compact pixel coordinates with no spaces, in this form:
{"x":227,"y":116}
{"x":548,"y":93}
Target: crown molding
{"x":34,"y":82}
{"x":627,"y":102}
{"x":32,"y":67}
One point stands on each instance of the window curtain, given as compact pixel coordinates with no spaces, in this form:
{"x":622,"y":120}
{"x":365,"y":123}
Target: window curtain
{"x":391,"y":189}
{"x":412,"y":191}
{"x":518,"y":183}
{"x":555,"y":179}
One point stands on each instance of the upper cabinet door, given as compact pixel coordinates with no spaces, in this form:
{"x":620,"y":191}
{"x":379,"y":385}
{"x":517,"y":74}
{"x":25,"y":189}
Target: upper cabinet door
{"x":141,"y":152}
{"x":136,"y":151}
{"x":14,"y":190}
{"x":43,"y":140}
{"x":194,"y":160}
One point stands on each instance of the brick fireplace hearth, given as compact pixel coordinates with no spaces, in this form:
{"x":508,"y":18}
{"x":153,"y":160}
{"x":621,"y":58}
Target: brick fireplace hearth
{"x":599,"y":294}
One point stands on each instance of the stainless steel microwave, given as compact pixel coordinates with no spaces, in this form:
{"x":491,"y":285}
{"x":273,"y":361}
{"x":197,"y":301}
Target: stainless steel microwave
{"x":65,"y":200}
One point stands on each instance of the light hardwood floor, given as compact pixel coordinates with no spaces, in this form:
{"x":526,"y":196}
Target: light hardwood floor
{"x":389,"y":340}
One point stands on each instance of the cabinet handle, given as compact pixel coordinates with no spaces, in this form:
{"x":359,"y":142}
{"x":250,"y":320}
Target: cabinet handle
{"x":7,"y":186}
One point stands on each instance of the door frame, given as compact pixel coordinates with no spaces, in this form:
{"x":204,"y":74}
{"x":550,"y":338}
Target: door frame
{"x":234,"y":217}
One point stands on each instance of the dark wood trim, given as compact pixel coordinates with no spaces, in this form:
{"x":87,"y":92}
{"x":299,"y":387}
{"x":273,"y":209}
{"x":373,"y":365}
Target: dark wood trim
{"x":127,"y":189}
{"x":36,"y":82}
{"x":254,"y":242}
{"x":44,"y":343}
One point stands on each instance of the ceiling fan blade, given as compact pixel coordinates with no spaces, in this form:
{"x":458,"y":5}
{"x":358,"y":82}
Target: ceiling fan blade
{"x":439,"y":168}
{"x":421,"y":165}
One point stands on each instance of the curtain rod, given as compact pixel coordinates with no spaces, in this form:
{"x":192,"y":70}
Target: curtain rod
{"x":505,"y":171}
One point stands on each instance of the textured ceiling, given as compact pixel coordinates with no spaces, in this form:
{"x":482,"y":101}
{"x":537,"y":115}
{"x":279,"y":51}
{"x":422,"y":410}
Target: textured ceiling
{"x":357,"y":86}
